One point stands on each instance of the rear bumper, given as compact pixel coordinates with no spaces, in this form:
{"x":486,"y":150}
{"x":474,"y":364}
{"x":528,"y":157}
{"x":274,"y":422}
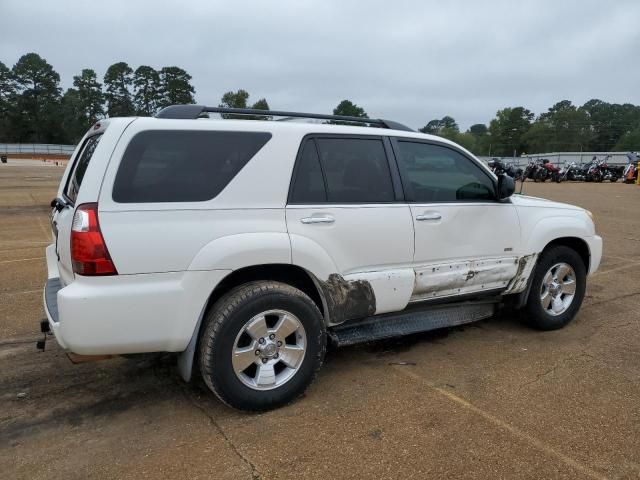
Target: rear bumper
{"x":50,"y":294}
{"x":126,"y":313}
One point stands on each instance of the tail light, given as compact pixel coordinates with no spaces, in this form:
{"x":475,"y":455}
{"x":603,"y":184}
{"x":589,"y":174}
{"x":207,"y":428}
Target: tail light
{"x":89,"y":254}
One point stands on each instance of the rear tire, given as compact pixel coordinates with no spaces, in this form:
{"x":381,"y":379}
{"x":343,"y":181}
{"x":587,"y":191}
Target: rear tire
{"x":262,"y":345}
{"x":557,"y":289}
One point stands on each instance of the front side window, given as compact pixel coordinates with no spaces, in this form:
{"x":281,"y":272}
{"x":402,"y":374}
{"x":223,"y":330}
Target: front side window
{"x":182,"y":166}
{"x":356,"y":170}
{"x":80,"y":167}
{"x":433,"y":173}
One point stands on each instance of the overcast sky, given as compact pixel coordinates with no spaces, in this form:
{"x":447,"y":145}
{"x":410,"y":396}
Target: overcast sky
{"x":410,"y":61}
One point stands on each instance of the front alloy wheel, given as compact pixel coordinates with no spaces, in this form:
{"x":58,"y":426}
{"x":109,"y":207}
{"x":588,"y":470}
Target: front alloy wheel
{"x":557,"y":288}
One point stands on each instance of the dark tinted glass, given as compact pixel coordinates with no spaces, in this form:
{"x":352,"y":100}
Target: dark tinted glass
{"x":308,"y":186}
{"x":80,"y":167}
{"x":431,"y":173}
{"x":356,"y":170}
{"x":182,"y":166}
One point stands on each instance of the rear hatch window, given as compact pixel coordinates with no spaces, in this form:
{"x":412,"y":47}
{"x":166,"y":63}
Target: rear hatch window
{"x":182,"y":166}
{"x":80,"y":167}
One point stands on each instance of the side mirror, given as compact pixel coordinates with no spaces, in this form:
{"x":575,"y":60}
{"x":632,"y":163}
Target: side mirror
{"x":506,"y":186}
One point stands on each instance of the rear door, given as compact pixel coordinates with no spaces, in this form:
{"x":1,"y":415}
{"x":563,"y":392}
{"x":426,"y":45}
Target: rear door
{"x":465,"y":240}
{"x":61,"y":220}
{"x":343,"y":204}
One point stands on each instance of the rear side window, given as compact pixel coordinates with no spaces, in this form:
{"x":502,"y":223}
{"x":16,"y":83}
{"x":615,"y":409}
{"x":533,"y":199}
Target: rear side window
{"x":80,"y":167}
{"x":308,"y":186}
{"x":182,"y":166}
{"x":356,"y":170}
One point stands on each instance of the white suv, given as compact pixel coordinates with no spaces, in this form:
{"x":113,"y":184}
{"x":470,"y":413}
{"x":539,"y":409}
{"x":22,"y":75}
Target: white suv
{"x":246,"y":245}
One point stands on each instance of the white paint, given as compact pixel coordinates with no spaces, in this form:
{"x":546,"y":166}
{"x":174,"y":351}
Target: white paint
{"x":89,"y":192}
{"x":465,"y":231}
{"x":171,"y":256}
{"x":460,"y":278}
{"x":132,"y":313}
{"x":542,"y":221}
{"x":176,"y":240}
{"x":362,"y":238}
{"x":392,"y":288}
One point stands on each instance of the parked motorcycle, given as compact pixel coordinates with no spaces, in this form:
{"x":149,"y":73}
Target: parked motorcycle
{"x":542,"y":170}
{"x":609,"y":172}
{"x":552,"y":172}
{"x":531,"y":170}
{"x":498,"y":167}
{"x":571,"y":172}
{"x":614,"y":173}
{"x":598,"y":170}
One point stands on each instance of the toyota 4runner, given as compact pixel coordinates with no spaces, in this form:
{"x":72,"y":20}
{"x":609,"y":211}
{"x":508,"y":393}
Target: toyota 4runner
{"x":246,"y":246}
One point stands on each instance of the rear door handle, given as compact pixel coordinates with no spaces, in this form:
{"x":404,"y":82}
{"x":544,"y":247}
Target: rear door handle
{"x":429,"y":216}
{"x":318,"y":219}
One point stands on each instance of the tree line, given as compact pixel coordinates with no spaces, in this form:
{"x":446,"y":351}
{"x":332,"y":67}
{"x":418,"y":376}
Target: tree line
{"x":33,"y":108}
{"x":595,"y":126}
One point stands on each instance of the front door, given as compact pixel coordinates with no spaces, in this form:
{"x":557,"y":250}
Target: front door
{"x":465,"y":240}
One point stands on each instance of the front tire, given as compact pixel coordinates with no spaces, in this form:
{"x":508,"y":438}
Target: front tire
{"x":557,"y":289}
{"x":262,"y":345}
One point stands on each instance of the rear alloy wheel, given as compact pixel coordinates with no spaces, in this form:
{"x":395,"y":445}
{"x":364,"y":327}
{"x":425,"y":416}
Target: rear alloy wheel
{"x":269,"y":350}
{"x":261,"y":345}
{"x":557,"y":288}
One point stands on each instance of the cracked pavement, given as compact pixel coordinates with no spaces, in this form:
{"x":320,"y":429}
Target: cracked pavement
{"x":489,"y":400}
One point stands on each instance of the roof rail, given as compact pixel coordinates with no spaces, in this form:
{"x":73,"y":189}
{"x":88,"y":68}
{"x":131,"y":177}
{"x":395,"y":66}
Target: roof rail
{"x":186,"y":112}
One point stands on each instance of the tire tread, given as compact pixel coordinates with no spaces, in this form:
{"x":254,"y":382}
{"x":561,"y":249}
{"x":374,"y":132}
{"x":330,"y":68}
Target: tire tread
{"x":221,"y":312}
{"x":536,"y":317}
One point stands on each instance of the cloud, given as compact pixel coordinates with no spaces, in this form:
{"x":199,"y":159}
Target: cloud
{"x":407,"y":60}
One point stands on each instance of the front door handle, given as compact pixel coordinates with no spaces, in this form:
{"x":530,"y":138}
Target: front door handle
{"x":318,"y":219}
{"x":429,"y":216}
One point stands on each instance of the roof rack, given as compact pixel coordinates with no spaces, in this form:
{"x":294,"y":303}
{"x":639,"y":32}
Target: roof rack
{"x":186,"y":112}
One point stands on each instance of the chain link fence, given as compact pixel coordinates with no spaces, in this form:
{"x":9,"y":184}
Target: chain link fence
{"x":558,"y":158}
{"x":35,"y":149}
{"x":561,"y":158}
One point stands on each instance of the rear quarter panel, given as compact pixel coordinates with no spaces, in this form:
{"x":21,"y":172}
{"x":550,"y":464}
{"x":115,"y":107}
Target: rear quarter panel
{"x":178,"y":236}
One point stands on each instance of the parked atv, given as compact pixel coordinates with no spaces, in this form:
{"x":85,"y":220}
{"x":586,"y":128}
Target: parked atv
{"x":630,"y":174}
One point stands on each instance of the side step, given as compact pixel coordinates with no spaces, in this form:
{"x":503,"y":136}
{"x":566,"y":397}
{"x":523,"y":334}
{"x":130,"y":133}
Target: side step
{"x":408,"y":322}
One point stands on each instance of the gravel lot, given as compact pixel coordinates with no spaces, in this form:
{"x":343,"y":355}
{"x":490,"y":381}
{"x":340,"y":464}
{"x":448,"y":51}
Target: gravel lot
{"x":490,"y":400}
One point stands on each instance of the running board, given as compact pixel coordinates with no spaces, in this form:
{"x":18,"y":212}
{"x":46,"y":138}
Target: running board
{"x":406,"y":323}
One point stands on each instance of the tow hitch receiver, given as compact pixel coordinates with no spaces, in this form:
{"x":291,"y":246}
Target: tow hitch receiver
{"x":45,"y":329}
